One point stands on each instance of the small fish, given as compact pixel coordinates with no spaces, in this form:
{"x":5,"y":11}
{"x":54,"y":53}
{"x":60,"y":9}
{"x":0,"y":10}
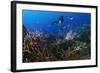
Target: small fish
{"x":70,"y":17}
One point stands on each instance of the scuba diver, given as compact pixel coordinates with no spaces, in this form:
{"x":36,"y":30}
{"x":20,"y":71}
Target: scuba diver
{"x":60,"y":20}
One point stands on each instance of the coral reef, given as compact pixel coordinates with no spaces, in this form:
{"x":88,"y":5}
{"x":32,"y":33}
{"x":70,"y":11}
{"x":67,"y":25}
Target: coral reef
{"x":38,"y":47}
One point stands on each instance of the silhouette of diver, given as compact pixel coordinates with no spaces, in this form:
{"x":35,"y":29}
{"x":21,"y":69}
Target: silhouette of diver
{"x":60,"y":20}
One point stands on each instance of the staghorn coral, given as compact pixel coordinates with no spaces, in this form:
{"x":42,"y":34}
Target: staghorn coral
{"x":35,"y":48}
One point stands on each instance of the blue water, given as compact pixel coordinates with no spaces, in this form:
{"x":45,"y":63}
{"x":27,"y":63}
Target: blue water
{"x":42,"y":21}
